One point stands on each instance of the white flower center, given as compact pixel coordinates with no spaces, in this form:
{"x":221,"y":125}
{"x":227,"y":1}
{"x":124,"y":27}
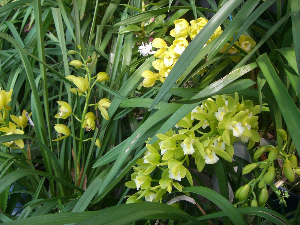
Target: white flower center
{"x":246,"y":45}
{"x":188,"y":148}
{"x":173,"y":176}
{"x":211,"y":157}
{"x":221,"y":112}
{"x":237,"y":129}
{"x":205,"y":124}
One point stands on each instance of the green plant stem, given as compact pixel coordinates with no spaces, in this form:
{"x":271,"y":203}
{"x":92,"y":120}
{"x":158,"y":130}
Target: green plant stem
{"x":84,"y":112}
{"x":209,"y":134}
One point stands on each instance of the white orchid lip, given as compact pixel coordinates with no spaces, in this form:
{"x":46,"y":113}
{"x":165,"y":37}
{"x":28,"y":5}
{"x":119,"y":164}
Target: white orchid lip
{"x":211,"y":158}
{"x":173,"y":176}
{"x":221,"y":112}
{"x":187,"y":147}
{"x":237,"y":129}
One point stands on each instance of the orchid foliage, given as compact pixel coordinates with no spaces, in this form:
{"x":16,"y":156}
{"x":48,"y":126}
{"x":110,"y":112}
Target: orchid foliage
{"x":204,"y":135}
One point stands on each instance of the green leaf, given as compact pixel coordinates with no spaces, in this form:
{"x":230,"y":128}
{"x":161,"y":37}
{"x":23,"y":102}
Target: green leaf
{"x":295,"y":15}
{"x":228,"y":209}
{"x":291,"y":113}
{"x":129,"y":29}
{"x":153,"y":13}
{"x":12,"y":177}
{"x":266,"y":213}
{"x":237,"y":22}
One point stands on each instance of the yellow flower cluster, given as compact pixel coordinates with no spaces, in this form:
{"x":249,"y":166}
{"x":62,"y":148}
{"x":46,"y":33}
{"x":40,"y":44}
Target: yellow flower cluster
{"x":84,"y":86}
{"x":11,"y":128}
{"x":167,"y":56}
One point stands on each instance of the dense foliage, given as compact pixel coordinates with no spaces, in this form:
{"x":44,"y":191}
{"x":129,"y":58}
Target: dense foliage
{"x":147,"y":112}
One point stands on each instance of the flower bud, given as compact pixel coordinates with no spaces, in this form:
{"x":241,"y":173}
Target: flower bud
{"x":259,"y":152}
{"x":71,"y":52}
{"x":282,"y":134}
{"x":263,"y":165}
{"x":297,"y":171}
{"x":254,"y":203}
{"x":293,"y":161}
{"x":237,"y":193}
{"x":249,"y":168}
{"x":79,"y":47}
{"x":244,"y":192}
{"x":102,"y":76}
{"x":97,"y":143}
{"x":288,"y":172}
{"x":89,"y":60}
{"x":76,"y":63}
{"x":261,"y":184}
{"x":270,"y":175}
{"x":263,"y":197}
{"x":273,"y":154}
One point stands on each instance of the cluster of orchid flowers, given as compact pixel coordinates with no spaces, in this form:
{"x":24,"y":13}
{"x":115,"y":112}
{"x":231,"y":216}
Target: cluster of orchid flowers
{"x":206,"y":133}
{"x":83,"y":88}
{"x":167,"y":56}
{"x":18,"y":121}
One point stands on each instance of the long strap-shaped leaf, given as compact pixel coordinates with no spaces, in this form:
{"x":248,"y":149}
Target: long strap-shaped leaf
{"x":12,"y":177}
{"x":295,"y":15}
{"x":123,"y":214}
{"x":220,"y":201}
{"x":36,"y":104}
{"x":268,"y":214}
{"x":287,"y":107}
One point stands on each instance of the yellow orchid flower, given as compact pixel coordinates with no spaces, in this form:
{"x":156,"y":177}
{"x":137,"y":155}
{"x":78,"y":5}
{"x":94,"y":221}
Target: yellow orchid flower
{"x":103,"y":105}
{"x":102,"y":76}
{"x":181,"y":29}
{"x":159,"y":43}
{"x":12,"y":129}
{"x":169,"y":59}
{"x":62,"y":129}
{"x":21,"y":121}
{"x":246,"y":43}
{"x":81,"y":83}
{"x":150,"y":78}
{"x":97,"y":143}
{"x":5,"y":98}
{"x":89,"y":122}
{"x":179,"y":45}
{"x":197,"y":26}
{"x":64,"y":111}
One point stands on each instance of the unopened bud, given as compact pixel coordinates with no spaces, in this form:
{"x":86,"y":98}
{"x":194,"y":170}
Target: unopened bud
{"x":71,"y":52}
{"x":261,"y":184}
{"x":244,"y":192}
{"x":102,"y":76}
{"x":254,"y":203}
{"x":76,"y":63}
{"x":89,"y":60}
{"x":263,"y":197}
{"x":259,"y":152}
{"x":270,"y":175}
{"x":293,"y":161}
{"x":249,"y":168}
{"x":237,"y":193}
{"x":288,"y":172}
{"x":273,"y":154}
{"x":297,"y":171}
